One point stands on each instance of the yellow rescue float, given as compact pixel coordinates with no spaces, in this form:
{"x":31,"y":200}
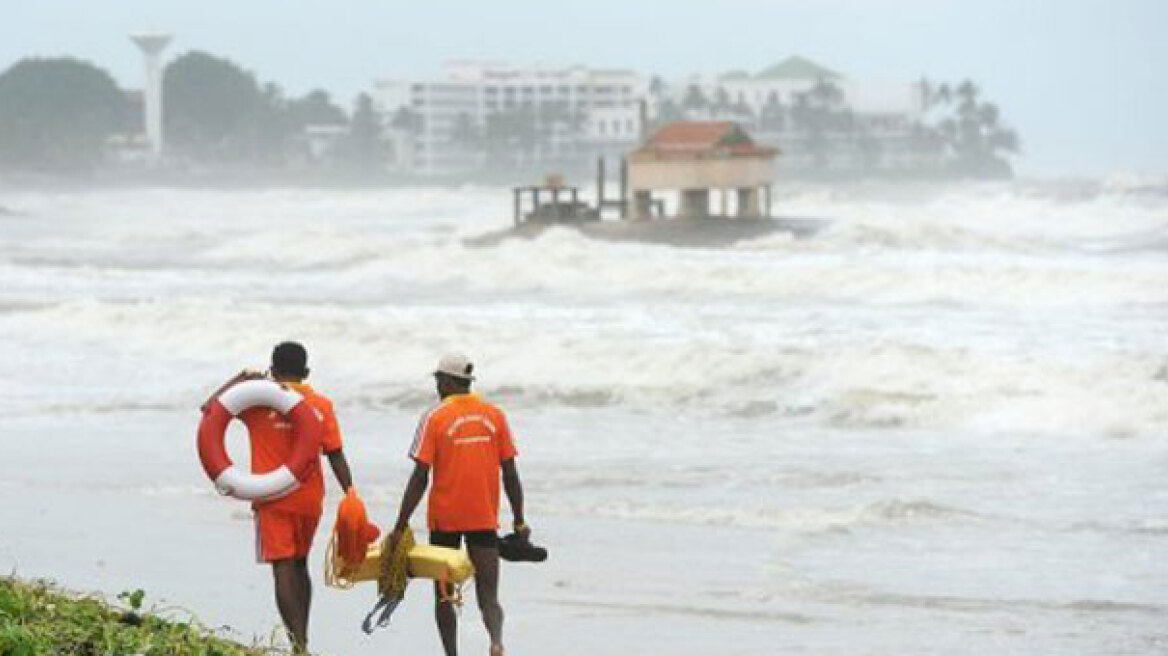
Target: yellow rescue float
{"x":354,"y":556}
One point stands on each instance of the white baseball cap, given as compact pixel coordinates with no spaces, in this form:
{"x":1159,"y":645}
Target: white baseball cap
{"x":456,"y":365}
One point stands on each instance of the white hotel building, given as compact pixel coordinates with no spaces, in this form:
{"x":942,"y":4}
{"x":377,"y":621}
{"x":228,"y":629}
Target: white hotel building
{"x":561,"y":119}
{"x":883,"y":111}
{"x":599,"y":114}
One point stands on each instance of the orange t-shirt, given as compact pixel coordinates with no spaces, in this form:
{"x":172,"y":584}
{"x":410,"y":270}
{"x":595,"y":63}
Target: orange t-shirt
{"x":271,"y":443}
{"x":463,"y":439}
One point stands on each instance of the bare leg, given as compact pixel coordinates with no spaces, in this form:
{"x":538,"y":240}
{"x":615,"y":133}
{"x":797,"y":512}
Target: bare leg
{"x":306,"y":593}
{"x":293,"y":595}
{"x":486,"y":564}
{"x":447,"y":622}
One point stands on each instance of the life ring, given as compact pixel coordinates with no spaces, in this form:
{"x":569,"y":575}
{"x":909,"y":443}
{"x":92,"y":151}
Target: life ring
{"x":231,"y":480}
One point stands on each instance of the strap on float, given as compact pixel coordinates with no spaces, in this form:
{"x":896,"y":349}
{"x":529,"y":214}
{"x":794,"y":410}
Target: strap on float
{"x":385,"y":606}
{"x":332,"y":577}
{"x":449,"y":592}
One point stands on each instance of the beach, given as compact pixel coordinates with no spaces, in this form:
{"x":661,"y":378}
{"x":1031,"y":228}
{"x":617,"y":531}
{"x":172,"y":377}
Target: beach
{"x":937,"y":425}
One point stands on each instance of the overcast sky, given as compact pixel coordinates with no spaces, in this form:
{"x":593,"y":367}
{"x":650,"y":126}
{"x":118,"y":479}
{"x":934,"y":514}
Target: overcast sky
{"x":1081,"y":80}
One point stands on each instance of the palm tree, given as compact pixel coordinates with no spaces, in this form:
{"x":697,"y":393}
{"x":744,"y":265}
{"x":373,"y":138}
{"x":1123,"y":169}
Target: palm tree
{"x":926,"y":90}
{"x":1003,"y":140}
{"x":948,"y":130}
{"x":695,"y":99}
{"x":943,"y":94}
{"x":407,"y":120}
{"x":801,"y":112}
{"x":771,"y":118}
{"x":988,"y":115}
{"x":721,"y":101}
{"x":465,"y":132}
{"x":656,"y":87}
{"x":826,"y":94}
{"x":668,"y":111}
{"x":743,"y":110}
{"x":967,"y":93}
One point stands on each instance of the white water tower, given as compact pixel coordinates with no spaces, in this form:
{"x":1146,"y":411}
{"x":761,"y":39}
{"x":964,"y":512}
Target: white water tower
{"x":152,"y":46}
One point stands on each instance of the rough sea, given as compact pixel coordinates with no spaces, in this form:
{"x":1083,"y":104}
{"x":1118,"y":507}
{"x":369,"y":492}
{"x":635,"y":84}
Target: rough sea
{"x":938,"y":425}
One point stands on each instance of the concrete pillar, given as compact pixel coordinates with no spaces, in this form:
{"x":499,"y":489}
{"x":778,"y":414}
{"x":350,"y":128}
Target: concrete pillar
{"x":748,"y":205}
{"x":624,"y":186}
{"x":642,"y":205}
{"x":600,"y":183}
{"x":695,"y":203}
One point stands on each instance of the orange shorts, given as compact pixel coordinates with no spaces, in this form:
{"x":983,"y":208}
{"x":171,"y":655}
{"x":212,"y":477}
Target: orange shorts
{"x":282,"y":535}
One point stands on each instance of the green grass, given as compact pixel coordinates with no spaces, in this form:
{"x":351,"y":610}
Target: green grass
{"x":38,"y":619}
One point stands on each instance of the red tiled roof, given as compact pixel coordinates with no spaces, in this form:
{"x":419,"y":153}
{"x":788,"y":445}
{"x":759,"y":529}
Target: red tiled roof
{"x":689,"y":135}
{"x":700,"y":139}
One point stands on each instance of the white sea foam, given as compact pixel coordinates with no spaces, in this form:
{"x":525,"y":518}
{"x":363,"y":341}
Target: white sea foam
{"x":995,"y":307}
{"x":877,"y":427}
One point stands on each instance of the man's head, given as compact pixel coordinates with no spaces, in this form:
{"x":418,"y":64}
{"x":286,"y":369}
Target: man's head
{"x":454,"y":374}
{"x":289,"y":362}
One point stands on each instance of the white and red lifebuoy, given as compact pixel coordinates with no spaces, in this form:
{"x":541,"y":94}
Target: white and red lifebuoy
{"x":230,"y":480}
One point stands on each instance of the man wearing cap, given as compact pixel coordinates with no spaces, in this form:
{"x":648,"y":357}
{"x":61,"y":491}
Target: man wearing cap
{"x":285,"y":526}
{"x":467,"y":444}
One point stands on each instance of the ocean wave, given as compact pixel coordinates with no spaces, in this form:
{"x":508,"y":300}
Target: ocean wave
{"x":704,"y":612}
{"x":887,"y":512}
{"x":813,"y":370}
{"x":998,"y":248}
{"x":976,"y":308}
{"x":993,"y":605}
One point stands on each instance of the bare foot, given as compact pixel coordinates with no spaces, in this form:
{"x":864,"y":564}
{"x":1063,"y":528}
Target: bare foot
{"x":496,"y":650}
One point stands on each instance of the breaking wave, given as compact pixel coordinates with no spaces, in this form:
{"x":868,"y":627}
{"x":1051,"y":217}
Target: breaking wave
{"x":996,"y":307}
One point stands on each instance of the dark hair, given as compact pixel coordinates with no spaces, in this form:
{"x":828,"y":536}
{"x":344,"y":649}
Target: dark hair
{"x":457,"y":382}
{"x":290,"y":359}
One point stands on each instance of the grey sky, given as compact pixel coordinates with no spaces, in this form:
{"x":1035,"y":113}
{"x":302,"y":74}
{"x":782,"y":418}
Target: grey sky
{"x":1080,"y":79}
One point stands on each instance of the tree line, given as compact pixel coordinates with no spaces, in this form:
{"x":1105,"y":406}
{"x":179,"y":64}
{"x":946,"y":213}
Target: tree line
{"x":59,"y":114}
{"x":957,"y":128}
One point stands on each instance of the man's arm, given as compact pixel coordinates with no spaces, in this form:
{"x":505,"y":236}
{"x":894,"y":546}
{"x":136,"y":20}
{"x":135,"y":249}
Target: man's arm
{"x":514,"y":489}
{"x":246,"y":374}
{"x":340,"y":468}
{"x":419,"y":480}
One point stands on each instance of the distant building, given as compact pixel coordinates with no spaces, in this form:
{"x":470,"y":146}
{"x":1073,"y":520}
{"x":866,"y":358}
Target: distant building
{"x":698,"y":159}
{"x":822,"y":119}
{"x":478,"y":117}
{"x":321,"y":141}
{"x":481,"y":113}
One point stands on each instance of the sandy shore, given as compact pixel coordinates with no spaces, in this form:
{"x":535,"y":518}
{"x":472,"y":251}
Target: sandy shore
{"x":896,"y":578}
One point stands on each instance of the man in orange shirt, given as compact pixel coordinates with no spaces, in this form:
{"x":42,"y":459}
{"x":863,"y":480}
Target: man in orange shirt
{"x":466,"y":442}
{"x":285,"y":526}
